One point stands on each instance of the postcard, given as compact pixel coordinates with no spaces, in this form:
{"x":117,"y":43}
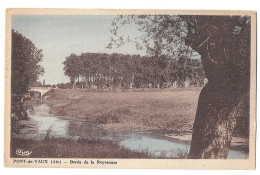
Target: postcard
{"x":100,"y":88}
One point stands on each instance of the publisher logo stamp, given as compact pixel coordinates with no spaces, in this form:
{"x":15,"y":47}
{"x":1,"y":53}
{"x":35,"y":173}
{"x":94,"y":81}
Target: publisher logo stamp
{"x":21,"y":152}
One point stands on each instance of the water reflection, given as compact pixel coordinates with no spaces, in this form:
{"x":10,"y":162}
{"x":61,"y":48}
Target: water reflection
{"x":42,"y":122}
{"x":161,"y":146}
{"x":156,"y":146}
{"x":84,"y":129}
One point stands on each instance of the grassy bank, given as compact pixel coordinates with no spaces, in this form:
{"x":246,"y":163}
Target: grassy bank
{"x":68,"y":148}
{"x":139,"y":109}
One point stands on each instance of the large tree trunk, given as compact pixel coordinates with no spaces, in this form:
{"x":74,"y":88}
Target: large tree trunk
{"x":226,"y":61}
{"x":218,"y":109}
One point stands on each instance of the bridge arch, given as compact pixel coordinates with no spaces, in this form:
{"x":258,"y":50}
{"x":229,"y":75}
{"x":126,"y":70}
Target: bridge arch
{"x":41,"y":90}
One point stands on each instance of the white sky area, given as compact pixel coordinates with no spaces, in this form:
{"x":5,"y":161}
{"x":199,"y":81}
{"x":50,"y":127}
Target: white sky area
{"x":59,"y":36}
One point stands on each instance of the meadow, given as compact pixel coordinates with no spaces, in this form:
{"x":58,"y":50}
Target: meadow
{"x":167,"y":110}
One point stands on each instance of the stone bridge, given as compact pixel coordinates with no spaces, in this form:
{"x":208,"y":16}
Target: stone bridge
{"x":41,"y":90}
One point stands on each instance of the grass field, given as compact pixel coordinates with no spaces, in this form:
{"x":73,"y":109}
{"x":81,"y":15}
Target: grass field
{"x":68,"y":148}
{"x":166,"y":110}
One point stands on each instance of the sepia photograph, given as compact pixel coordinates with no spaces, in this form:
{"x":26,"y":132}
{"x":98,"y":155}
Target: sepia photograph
{"x":114,"y":88}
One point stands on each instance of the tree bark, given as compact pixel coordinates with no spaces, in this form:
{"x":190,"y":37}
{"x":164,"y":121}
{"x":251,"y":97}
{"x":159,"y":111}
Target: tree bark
{"x":221,"y":100}
{"x":217,"y":111}
{"x":214,"y":123}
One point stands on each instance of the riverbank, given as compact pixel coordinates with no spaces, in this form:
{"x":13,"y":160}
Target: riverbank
{"x":157,"y":110}
{"x":167,"y":110}
{"x":163,"y":110}
{"x":43,"y":130}
{"x":68,"y":148}
{"x":237,"y":143}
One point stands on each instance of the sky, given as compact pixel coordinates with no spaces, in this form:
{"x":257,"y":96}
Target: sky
{"x":59,"y":36}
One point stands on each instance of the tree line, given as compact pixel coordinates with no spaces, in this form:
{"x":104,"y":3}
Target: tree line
{"x":101,"y":70}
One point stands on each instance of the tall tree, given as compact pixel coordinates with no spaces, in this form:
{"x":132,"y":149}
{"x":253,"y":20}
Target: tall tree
{"x":223,"y":43}
{"x":25,"y":58}
{"x":73,"y":68}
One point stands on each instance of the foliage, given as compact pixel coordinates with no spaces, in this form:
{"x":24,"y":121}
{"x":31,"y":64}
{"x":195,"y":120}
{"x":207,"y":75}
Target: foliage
{"x":25,"y":60}
{"x":64,"y":85}
{"x":100,"y":70}
{"x":223,"y":42}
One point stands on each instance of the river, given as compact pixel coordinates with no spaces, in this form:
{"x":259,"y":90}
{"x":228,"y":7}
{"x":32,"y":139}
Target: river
{"x":41,"y":123}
